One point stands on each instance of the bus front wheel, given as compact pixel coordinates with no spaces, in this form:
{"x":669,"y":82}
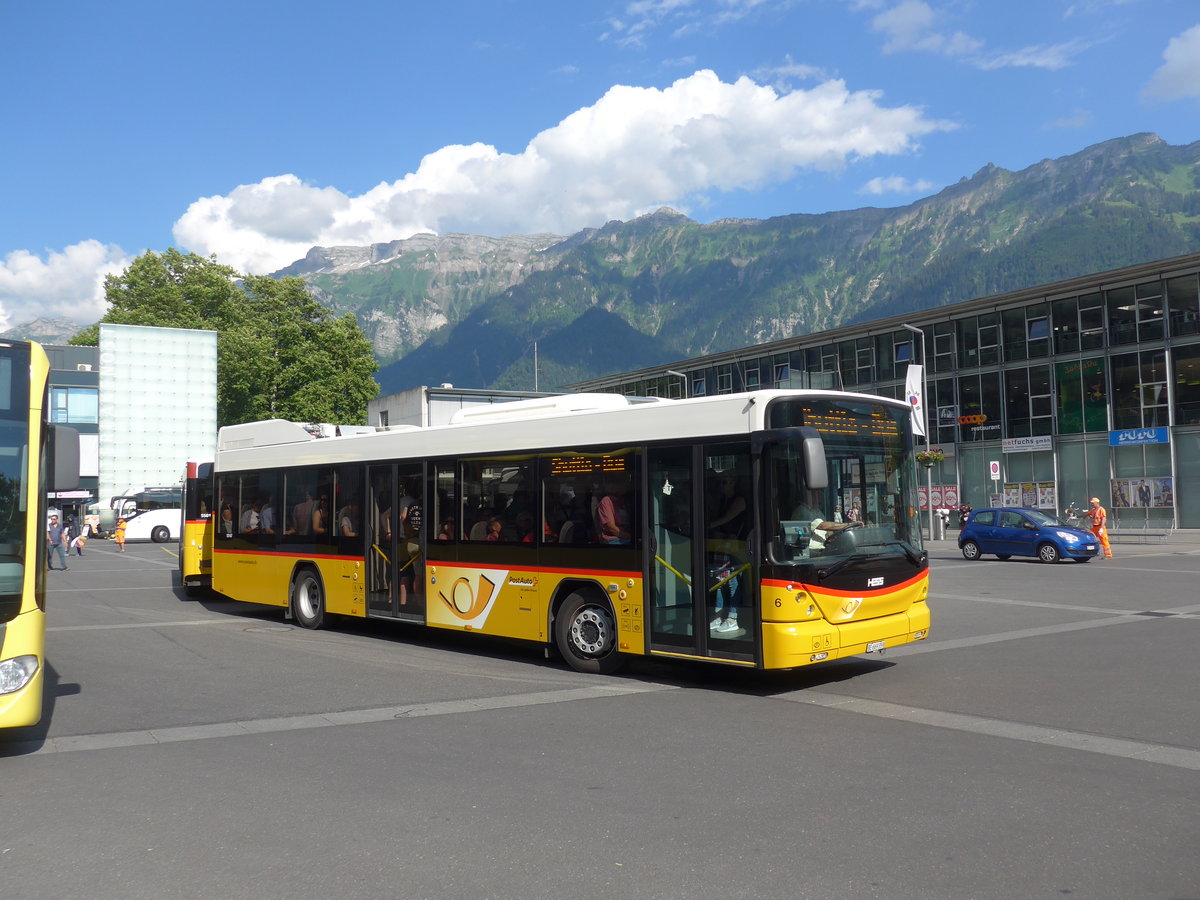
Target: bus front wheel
{"x":308,"y":599}
{"x":586,"y":633}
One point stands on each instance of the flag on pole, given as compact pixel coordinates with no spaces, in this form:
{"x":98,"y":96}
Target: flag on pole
{"x":912,"y":391}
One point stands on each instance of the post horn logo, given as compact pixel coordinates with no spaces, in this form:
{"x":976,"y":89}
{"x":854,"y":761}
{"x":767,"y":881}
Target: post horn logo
{"x":467,"y":602}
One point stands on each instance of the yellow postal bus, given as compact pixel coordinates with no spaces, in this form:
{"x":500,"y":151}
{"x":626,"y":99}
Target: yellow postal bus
{"x":771,"y":529}
{"x":35,"y":457}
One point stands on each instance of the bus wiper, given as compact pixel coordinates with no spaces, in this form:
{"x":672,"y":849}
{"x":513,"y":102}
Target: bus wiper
{"x":840,"y":564}
{"x":909,"y":550}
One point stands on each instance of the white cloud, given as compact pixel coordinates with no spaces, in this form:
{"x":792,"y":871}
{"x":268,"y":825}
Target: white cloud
{"x":1037,"y":56}
{"x":896,"y":184}
{"x":68,"y":283}
{"x":913,"y":25}
{"x":1179,"y":76}
{"x":783,"y":75}
{"x":1080,"y":118}
{"x":633,"y":150}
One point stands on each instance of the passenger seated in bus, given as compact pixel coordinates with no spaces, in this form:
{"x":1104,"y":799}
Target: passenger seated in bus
{"x":446,"y":533}
{"x":251,"y":519}
{"x":267,"y":511}
{"x":226,"y":527}
{"x":612,"y":513}
{"x":348,"y":521}
{"x":493,"y":529}
{"x":320,"y":517}
{"x":302,"y":514}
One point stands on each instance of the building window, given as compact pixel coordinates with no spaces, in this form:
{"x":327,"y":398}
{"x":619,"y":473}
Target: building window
{"x":1139,"y":388}
{"x":1082,"y":396}
{"x":1066,"y":325}
{"x":989,"y":339}
{"x":383,"y":418}
{"x":1187,"y":384}
{"x":699,"y":386}
{"x":1149,"y":303}
{"x":1183,"y":299}
{"x":75,"y":405}
{"x":1015,"y":344}
{"x":864,"y":361}
{"x":1091,"y":321}
{"x":725,"y":380}
{"x":1027,"y":402}
{"x":946,"y":421}
{"x":783,"y":374}
{"x":752,"y":377}
{"x":943,"y":347}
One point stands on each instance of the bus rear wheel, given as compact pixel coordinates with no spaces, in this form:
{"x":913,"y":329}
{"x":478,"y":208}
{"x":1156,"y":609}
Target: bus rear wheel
{"x":308,"y":599}
{"x":586,"y":633}
{"x":160,"y":534}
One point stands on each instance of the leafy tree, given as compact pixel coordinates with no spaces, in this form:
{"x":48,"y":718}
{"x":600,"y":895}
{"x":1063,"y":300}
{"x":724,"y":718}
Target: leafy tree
{"x":280,"y":354}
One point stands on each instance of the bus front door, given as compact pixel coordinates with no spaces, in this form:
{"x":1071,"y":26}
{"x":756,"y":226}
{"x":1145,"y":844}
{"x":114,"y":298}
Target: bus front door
{"x":381,"y":534}
{"x":395,"y":571}
{"x":700,"y":590}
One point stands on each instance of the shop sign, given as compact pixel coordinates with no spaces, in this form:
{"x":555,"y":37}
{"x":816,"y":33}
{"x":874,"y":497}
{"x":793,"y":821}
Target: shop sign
{"x":1133,"y":436}
{"x":1027,"y":444}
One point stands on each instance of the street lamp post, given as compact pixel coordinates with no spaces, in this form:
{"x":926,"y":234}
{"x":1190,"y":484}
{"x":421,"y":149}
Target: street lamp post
{"x":925,"y":412}
{"x":682,"y":378}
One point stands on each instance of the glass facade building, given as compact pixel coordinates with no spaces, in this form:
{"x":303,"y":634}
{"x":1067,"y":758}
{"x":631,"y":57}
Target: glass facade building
{"x":157,"y":405}
{"x":1081,"y":388}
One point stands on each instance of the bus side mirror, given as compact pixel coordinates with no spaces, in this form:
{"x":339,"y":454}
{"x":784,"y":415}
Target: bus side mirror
{"x":64,"y":459}
{"x":816,"y":474}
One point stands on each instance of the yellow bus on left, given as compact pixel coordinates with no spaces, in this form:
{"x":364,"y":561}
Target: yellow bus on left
{"x":36,"y":457}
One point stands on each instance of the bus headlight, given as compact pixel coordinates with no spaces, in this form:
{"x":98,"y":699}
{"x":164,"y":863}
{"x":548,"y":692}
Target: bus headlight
{"x":16,"y":673}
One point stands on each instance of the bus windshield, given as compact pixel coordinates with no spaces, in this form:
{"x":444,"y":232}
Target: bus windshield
{"x":862,"y":511}
{"x":14,"y":458}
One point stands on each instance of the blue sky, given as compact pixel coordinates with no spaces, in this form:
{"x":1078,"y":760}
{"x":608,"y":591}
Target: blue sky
{"x":254,"y":130}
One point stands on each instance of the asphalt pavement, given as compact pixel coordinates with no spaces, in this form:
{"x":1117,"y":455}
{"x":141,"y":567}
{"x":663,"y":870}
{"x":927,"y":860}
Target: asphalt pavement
{"x":1043,"y":742}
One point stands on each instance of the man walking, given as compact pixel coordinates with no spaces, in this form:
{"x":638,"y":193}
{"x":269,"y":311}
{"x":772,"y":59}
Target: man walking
{"x":55,"y":539}
{"x":1098,"y":516}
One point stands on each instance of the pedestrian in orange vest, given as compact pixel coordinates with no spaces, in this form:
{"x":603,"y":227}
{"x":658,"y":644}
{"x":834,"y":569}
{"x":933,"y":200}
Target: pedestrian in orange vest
{"x":119,"y":535}
{"x":1099,"y":517}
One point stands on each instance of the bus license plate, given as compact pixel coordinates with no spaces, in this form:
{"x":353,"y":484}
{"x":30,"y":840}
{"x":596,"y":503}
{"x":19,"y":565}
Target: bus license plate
{"x":875,"y":646}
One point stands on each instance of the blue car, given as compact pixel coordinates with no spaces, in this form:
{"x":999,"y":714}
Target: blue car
{"x":1012,"y":532}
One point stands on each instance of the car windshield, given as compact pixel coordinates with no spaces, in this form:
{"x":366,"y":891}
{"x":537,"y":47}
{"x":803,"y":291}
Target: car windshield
{"x":1043,"y":519}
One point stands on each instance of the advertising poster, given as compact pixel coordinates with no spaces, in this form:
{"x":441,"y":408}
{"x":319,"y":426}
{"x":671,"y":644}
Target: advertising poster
{"x":1153,"y":492}
{"x":1029,"y":495}
{"x":943,"y":495}
{"x":1047,"y":496}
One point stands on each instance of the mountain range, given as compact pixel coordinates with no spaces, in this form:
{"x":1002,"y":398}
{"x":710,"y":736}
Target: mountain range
{"x":470,"y":310}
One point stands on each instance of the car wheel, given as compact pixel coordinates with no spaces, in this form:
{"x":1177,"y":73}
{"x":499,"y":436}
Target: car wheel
{"x":1003,"y":556}
{"x":1048,"y":553}
{"x":970,"y":550}
{"x":161,"y":534}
